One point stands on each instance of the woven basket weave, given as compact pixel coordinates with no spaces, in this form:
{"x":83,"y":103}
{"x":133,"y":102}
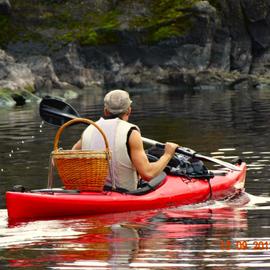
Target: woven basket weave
{"x":84,"y":170}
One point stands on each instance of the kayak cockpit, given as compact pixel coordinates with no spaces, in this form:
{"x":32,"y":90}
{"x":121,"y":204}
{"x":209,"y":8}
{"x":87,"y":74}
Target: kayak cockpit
{"x":144,"y":188}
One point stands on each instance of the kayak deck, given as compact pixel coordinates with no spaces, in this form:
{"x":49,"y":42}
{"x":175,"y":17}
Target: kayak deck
{"x":174,"y":191}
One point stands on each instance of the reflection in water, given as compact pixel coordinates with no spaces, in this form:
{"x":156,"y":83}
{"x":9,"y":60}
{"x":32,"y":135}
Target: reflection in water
{"x":204,"y":236}
{"x":167,"y":237}
{"x":187,"y":237}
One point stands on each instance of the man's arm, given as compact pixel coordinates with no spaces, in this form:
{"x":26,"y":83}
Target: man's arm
{"x":77,"y":145}
{"x":146,"y":169}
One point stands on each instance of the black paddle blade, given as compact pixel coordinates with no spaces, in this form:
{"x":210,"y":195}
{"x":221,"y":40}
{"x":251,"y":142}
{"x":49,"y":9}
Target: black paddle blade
{"x":56,"y":112}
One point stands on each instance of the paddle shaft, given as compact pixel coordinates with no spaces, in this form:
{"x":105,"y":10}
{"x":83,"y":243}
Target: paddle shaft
{"x":179,"y":150}
{"x":67,"y":116}
{"x":50,"y":112}
{"x":191,"y":153}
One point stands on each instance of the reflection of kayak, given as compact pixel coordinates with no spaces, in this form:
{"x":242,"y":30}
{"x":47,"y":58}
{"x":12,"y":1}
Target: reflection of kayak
{"x":172,"y":191}
{"x":126,"y":238}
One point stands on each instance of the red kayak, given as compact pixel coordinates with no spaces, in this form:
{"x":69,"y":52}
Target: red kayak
{"x":170,"y":192}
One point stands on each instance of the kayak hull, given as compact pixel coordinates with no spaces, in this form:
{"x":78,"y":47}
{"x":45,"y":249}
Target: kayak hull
{"x":174,"y":191}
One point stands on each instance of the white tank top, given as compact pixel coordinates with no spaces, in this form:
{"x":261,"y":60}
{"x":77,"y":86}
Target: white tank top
{"x":123,"y":173}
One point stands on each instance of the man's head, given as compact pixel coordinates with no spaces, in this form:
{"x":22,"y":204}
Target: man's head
{"x":117,"y":102}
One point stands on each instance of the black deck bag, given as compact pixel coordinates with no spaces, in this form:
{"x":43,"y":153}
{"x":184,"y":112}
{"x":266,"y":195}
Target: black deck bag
{"x":181,"y":165}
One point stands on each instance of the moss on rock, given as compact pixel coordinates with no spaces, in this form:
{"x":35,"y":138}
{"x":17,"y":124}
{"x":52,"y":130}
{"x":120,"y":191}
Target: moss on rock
{"x":93,"y":22}
{"x":9,"y":97}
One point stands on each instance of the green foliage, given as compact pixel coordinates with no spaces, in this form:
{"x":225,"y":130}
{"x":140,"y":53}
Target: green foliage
{"x":168,"y":19}
{"x":93,"y":29}
{"x":29,"y":88}
{"x":163,"y":33}
{"x":98,"y":29}
{"x":215,"y":3}
{"x":6,"y":29}
{"x":170,"y":8}
{"x":79,"y":21}
{"x":87,"y":36}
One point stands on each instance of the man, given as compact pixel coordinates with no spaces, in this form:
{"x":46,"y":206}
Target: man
{"x":129,"y":161}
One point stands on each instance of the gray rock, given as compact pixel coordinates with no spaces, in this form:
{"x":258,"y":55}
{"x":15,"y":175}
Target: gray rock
{"x":235,"y":40}
{"x":69,"y":67}
{"x":261,"y":63}
{"x":258,"y":22}
{"x":5,"y":7}
{"x":191,"y":56}
{"x":221,"y":50}
{"x":233,"y":19}
{"x":43,"y":70}
{"x":14,"y":75}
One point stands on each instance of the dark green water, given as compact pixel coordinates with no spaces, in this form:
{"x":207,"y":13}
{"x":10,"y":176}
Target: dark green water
{"x":214,"y":235}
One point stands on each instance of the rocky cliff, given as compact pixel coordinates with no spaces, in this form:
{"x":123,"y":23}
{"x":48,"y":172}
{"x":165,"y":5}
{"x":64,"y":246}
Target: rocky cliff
{"x":188,"y":43}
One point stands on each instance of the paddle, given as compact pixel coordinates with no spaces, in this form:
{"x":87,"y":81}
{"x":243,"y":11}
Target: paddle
{"x":56,"y":112}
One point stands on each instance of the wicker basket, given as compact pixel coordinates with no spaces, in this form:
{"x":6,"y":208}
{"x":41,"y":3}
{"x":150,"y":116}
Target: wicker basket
{"x":84,"y":170}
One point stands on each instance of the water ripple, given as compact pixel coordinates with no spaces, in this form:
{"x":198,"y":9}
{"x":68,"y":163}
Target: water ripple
{"x":228,"y":125}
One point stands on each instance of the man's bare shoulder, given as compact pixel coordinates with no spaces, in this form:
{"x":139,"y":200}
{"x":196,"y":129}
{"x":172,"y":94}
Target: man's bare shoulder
{"x":135,"y":138}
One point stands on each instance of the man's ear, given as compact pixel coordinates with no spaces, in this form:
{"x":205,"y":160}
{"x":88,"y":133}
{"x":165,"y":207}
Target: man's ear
{"x":106,"y":112}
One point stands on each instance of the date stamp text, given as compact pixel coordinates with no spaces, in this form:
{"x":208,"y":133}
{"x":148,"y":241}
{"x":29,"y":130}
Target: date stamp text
{"x":244,"y":245}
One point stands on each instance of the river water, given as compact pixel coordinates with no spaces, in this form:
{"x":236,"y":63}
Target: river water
{"x":212,"y":235}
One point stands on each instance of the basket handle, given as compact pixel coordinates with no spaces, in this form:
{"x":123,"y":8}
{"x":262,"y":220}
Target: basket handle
{"x":79,"y":120}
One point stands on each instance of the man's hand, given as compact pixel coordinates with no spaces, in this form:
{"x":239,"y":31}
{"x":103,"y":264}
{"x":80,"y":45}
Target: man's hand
{"x":170,"y":148}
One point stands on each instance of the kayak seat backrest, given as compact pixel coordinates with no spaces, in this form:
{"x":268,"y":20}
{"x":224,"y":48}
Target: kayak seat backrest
{"x":144,"y":187}
{"x":149,"y":186}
